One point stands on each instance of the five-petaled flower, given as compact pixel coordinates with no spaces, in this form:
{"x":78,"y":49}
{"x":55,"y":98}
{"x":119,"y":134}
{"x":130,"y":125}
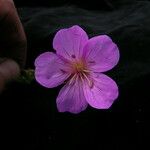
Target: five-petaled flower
{"x":79,"y":63}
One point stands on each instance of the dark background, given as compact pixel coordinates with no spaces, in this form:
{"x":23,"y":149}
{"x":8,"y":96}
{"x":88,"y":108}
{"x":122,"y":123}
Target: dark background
{"x":30,"y":110}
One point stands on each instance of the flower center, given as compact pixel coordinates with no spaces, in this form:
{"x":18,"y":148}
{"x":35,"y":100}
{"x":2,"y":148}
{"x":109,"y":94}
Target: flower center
{"x":81,"y":72}
{"x":79,"y":67}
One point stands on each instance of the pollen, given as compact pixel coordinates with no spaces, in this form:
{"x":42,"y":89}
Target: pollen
{"x":79,"y":67}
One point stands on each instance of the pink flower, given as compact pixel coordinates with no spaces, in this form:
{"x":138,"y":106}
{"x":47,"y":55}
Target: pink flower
{"x":79,"y":63}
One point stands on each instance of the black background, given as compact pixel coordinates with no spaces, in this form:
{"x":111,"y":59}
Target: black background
{"x":31,"y":109}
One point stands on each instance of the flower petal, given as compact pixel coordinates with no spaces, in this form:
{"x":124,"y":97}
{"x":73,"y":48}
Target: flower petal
{"x":71,"y":98}
{"x":50,"y":70}
{"x":44,"y":59}
{"x":101,"y":53}
{"x":103,"y":93}
{"x":69,"y":42}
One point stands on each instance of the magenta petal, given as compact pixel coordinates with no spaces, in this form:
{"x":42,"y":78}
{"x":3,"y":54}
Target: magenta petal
{"x":44,"y":59}
{"x":103,"y":93}
{"x":71,"y":98}
{"x":50,"y":70}
{"x":69,"y":42}
{"x":101,"y":53}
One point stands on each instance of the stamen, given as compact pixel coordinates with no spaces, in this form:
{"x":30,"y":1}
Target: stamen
{"x":81,"y":77}
{"x":90,"y":83}
{"x":86,"y":71}
{"x":72,"y":79}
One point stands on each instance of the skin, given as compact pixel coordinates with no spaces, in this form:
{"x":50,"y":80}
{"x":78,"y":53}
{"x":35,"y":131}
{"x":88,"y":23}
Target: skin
{"x":13,"y":43}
